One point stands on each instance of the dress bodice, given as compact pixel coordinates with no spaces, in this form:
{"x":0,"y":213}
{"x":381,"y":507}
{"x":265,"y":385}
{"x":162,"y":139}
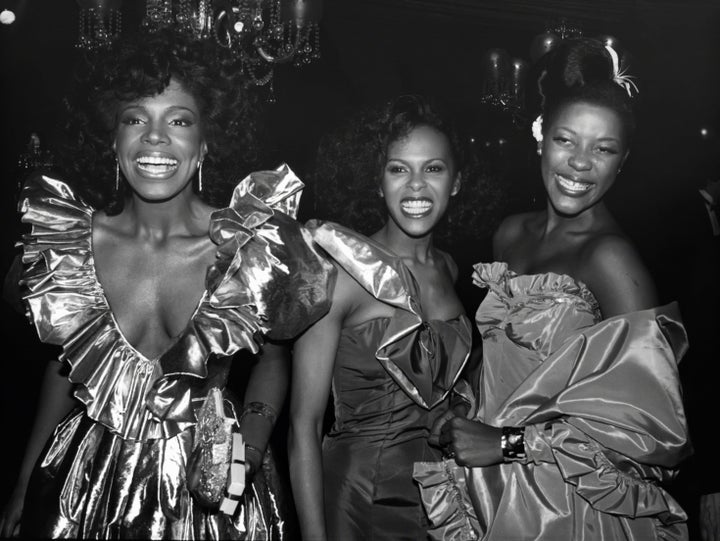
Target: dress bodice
{"x":367,"y":399}
{"x":140,"y":398}
{"x":597,"y":450}
{"x":523,"y":319}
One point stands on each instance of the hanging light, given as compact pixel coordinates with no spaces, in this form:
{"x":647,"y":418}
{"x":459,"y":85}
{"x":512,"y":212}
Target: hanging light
{"x":261,"y":33}
{"x":99,"y":22}
{"x":503,"y":84}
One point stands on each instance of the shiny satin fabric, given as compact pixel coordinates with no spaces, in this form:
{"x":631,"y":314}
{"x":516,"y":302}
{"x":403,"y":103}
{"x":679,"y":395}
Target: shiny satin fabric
{"x":284,"y":289}
{"x":602,"y":407}
{"x":93,"y":484}
{"x":138,"y":412}
{"x":388,"y":373}
{"x":425,"y":357}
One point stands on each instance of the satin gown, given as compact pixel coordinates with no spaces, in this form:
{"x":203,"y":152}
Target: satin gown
{"x":601,"y":404}
{"x":391,"y":379}
{"x":115,"y":467}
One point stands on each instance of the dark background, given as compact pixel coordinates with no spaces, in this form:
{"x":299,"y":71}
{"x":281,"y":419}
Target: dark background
{"x":374,"y":49}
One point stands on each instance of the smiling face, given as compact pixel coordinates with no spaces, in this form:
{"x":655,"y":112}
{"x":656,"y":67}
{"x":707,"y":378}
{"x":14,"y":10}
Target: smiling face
{"x":418,"y":179}
{"x":582,"y":151}
{"x":159,"y":143}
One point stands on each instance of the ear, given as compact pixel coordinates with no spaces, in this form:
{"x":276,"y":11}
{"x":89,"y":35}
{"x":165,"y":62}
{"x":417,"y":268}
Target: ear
{"x":457,"y":183}
{"x":203,"y":150}
{"x":114,"y":145}
{"x":622,"y":162}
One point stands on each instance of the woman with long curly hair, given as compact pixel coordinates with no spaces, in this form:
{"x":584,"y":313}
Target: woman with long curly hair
{"x":151,"y":290}
{"x":396,"y":339}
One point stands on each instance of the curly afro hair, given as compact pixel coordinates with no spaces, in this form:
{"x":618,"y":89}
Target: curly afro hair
{"x":141,"y":65}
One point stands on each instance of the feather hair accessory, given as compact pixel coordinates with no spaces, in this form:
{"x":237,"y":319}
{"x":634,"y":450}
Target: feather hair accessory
{"x":620,"y":76}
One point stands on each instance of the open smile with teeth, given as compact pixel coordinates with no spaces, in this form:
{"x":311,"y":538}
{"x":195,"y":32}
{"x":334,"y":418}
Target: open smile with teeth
{"x":572,"y":186}
{"x":156,"y":165}
{"x":416,"y":207}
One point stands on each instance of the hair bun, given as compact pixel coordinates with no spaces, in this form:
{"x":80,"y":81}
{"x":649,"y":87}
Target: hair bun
{"x":573,"y":64}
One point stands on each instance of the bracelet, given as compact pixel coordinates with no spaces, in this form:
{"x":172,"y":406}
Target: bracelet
{"x":254,"y":466}
{"x":512,"y":443}
{"x":259,"y":408}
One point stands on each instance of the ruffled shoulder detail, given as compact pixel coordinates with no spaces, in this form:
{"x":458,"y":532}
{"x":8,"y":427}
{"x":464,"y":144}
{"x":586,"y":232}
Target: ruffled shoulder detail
{"x":505,"y":283}
{"x":68,"y":307}
{"x":425,"y":357}
{"x":268,"y":279}
{"x":614,"y":455}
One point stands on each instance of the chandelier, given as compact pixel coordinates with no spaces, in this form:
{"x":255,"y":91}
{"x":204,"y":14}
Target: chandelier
{"x":504,"y":83}
{"x":260,"y":33}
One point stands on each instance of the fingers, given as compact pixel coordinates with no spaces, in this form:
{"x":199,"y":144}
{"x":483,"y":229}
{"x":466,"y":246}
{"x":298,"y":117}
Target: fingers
{"x":9,"y":527}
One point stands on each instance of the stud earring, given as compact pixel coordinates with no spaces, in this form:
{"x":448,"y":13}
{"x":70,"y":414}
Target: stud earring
{"x":539,"y":151}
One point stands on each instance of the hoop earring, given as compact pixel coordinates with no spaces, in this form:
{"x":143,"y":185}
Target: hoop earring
{"x":117,"y":176}
{"x":200,"y":176}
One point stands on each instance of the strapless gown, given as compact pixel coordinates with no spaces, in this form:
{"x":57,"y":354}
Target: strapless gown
{"x":391,"y":379}
{"x":602,"y":407}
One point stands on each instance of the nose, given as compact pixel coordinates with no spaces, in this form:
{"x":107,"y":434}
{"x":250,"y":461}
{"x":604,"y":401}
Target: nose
{"x":417,"y":180}
{"x":580,"y":161}
{"x":155,"y":134}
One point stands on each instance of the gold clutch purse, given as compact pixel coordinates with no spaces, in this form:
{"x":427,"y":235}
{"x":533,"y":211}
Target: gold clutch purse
{"x":218,"y":453}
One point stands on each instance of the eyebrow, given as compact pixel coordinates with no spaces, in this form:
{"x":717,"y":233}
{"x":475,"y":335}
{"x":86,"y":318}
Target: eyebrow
{"x":608,"y":138}
{"x":171,"y":109}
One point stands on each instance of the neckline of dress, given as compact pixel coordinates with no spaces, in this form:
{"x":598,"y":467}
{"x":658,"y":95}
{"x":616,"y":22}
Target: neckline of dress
{"x":585,"y":293}
{"x":116,"y":326}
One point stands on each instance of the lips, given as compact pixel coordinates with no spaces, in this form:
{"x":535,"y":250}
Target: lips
{"x":572,"y":186}
{"x":156,"y":164}
{"x":416,"y":207}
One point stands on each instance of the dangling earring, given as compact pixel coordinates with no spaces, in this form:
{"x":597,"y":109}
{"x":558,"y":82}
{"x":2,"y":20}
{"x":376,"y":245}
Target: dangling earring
{"x":200,"y":176}
{"x":117,"y":176}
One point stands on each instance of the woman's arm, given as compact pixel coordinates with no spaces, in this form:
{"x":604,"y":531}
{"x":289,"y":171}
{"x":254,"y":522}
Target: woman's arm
{"x":55,"y":402}
{"x":264,"y":398}
{"x":313,"y":363}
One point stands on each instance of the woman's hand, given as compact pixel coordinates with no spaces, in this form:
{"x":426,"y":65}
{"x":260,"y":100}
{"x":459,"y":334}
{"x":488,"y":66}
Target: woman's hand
{"x":471,"y":443}
{"x":458,"y":410}
{"x":10,"y":518}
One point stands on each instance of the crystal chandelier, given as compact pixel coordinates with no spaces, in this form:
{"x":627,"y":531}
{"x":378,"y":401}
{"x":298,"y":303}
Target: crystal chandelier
{"x":99,"y":22}
{"x":261,"y":33}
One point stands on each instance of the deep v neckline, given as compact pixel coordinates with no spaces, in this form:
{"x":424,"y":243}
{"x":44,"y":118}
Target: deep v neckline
{"x":115,"y":323}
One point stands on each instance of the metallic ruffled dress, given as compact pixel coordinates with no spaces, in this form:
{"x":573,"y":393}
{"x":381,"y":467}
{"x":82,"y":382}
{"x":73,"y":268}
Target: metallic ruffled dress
{"x":602,"y":406}
{"x":115,"y":467}
{"x":392,"y":377}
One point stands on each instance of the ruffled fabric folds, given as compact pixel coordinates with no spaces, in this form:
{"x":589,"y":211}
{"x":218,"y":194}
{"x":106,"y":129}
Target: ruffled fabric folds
{"x":268,"y":278}
{"x":443,"y":488}
{"x":424,"y":357}
{"x":602,"y":406}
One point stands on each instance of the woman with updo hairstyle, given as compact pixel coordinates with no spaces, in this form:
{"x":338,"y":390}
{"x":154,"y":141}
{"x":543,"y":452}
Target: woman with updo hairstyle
{"x":578,"y":419}
{"x":156,"y":266}
{"x":396,"y":339}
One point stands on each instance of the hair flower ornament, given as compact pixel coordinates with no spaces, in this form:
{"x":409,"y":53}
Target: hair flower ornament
{"x":620,"y":76}
{"x":537,"y":129}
